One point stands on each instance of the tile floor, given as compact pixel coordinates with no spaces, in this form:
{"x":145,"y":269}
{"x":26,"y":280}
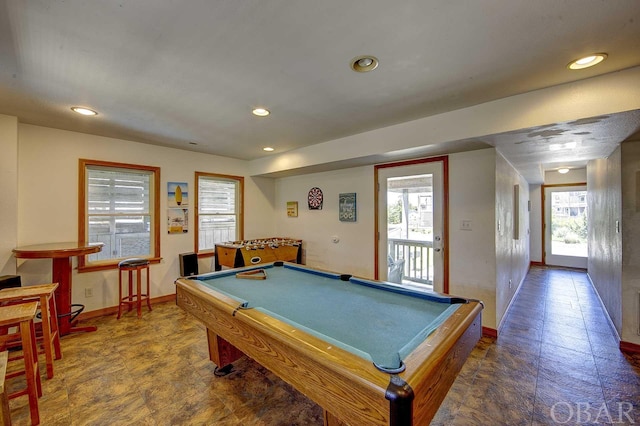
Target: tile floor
{"x":556,"y":362}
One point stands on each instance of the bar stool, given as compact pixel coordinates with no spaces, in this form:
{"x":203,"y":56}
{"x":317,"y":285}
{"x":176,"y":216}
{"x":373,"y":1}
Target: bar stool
{"x":22,"y":315}
{"x":131,"y":265}
{"x":45,"y":294}
{"x":5,"y":411}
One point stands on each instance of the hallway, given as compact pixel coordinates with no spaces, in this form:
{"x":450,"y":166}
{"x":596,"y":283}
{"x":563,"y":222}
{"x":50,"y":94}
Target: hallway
{"x":556,"y":362}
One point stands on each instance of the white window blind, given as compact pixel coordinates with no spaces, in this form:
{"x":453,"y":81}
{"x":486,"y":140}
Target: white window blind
{"x":218,"y":211}
{"x":119,"y":212}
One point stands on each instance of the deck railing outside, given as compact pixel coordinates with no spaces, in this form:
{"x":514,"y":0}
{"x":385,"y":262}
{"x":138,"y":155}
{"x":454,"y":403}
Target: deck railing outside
{"x":417,"y":256}
{"x":134,"y":244}
{"x":211,"y":235}
{"x":121,"y":245}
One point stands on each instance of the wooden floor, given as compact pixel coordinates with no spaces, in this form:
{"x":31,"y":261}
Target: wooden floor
{"x":556,"y":362}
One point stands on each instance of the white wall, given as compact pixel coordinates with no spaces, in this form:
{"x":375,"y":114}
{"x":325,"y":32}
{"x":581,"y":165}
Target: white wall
{"x":614,"y":269}
{"x":472,"y":254}
{"x":630,"y":177}
{"x":354,"y":253}
{"x":48,"y":202}
{"x":605,"y":243}
{"x":512,"y":254}
{"x":9,"y":191}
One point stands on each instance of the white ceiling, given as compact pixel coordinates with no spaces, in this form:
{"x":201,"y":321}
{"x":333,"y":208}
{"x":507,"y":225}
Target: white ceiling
{"x":178,"y":72}
{"x":570,"y":144}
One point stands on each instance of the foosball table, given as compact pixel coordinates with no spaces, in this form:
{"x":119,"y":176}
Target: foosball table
{"x":236,"y":254}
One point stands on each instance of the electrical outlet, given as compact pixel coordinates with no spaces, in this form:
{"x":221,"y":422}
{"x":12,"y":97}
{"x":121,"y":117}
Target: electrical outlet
{"x":88,"y":292}
{"x":465,"y":225}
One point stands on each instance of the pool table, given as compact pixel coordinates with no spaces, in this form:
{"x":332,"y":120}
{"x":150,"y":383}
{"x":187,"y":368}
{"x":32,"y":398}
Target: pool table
{"x":367,"y":352}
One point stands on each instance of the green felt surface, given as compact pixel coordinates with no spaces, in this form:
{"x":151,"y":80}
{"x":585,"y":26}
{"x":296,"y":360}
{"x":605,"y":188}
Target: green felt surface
{"x":381,"y":325}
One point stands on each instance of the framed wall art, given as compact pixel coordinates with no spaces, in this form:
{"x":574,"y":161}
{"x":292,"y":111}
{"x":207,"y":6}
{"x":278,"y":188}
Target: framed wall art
{"x":177,"y":211}
{"x":177,"y":194}
{"x":177,"y":221}
{"x":292,"y":208}
{"x":347,"y":207}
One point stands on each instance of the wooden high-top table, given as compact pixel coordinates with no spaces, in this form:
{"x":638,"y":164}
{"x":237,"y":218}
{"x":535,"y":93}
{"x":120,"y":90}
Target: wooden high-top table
{"x":61,"y":255}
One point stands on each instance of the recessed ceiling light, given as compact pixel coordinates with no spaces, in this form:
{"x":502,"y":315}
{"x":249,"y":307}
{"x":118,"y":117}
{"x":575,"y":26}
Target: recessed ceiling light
{"x":84,"y":111}
{"x":559,"y":146}
{"x":563,"y":171}
{"x":364,"y":63}
{"x":268,"y":149}
{"x":261,"y":112}
{"x":587,"y":61}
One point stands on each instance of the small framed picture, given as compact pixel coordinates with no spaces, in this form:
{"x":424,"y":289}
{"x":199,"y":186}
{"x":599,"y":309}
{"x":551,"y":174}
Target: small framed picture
{"x":177,"y":194}
{"x":178,"y":221}
{"x":347,"y":207}
{"x":292,"y":209}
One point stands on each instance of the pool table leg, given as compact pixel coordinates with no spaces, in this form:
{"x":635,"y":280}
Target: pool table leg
{"x":221,"y":352}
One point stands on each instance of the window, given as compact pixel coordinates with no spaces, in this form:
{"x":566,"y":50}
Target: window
{"x":219,"y":202}
{"x":119,"y":205}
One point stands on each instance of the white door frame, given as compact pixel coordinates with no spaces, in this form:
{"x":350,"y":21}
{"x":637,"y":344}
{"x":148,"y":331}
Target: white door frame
{"x":444,"y":253}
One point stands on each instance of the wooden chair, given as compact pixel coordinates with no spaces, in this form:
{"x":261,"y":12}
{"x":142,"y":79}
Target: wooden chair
{"x":45,"y":294}
{"x":5,"y":411}
{"x":21,"y":315}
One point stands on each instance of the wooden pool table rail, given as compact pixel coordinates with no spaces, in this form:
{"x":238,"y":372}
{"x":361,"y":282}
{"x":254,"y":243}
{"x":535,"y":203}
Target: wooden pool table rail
{"x":446,"y":349}
{"x":344,"y":384}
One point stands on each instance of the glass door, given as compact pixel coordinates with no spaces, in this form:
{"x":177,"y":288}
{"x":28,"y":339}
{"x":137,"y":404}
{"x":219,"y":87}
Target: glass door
{"x":565,"y":224}
{"x":410,"y":225}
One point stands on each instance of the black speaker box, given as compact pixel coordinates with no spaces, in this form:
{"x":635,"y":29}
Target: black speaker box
{"x":9,"y":281}
{"x":188,"y":264}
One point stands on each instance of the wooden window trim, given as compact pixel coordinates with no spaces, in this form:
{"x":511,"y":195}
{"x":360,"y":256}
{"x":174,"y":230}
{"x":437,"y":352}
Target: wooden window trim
{"x":198,"y":175}
{"x":83,"y":266}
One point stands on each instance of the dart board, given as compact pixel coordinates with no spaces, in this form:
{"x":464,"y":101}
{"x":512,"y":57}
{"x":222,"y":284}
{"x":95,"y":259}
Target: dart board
{"x":315,"y":199}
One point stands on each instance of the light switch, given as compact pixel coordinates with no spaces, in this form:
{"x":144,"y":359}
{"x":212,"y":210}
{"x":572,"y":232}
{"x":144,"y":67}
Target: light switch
{"x":465,"y":225}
